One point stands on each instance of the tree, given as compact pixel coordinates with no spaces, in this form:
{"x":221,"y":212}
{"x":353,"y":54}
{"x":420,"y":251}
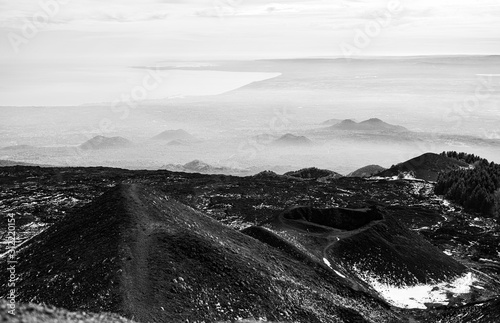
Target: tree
{"x":496,"y":204}
{"x":477,"y":188}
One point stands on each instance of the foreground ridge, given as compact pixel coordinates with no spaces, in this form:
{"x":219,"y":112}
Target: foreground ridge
{"x":138,"y":253}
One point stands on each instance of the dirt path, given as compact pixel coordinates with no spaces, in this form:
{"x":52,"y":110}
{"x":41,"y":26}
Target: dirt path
{"x":136,"y":268}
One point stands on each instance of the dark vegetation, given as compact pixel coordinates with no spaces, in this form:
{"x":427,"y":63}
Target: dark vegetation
{"x":476,"y":188}
{"x":465,"y":157}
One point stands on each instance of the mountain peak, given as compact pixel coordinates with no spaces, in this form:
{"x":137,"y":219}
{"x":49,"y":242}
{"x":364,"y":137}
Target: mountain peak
{"x":373,"y":120}
{"x":196,"y":165}
{"x":292,"y":140}
{"x":372,"y":124}
{"x":177,"y":134}
{"x":313,"y":173}
{"x":102,"y":142}
{"x":366,"y":171}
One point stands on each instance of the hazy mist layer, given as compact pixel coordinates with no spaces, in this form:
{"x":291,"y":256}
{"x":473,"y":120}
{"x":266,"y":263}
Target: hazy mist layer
{"x":457,"y":97}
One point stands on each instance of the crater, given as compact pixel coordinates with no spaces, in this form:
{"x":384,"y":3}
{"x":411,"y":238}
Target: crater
{"x":322,"y":220}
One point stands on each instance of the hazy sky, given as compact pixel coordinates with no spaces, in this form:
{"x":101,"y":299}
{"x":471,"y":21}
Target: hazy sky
{"x":194,"y":29}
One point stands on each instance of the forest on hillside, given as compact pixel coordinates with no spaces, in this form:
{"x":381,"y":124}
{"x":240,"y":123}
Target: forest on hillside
{"x":477,"y":189}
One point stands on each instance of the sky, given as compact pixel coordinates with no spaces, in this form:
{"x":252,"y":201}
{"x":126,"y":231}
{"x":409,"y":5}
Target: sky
{"x":125,"y":30}
{"x":79,"y":51}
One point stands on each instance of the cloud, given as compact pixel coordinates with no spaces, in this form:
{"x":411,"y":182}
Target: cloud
{"x":184,"y":28}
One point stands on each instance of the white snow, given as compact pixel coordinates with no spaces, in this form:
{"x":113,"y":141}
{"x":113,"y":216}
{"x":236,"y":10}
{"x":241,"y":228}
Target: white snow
{"x":330,"y":265}
{"x":417,"y":295}
{"x":444,"y":202}
{"x":338,"y":273}
{"x":405,"y":175}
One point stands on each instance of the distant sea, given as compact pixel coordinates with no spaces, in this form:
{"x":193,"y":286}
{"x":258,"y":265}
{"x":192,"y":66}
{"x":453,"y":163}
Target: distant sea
{"x":73,"y":84}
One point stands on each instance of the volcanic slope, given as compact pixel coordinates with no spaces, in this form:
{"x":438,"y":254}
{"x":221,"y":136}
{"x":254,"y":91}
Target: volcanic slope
{"x":426,"y":166}
{"x":136,"y":252}
{"x":367,"y":171}
{"x":358,"y":244}
{"x":313,"y":173}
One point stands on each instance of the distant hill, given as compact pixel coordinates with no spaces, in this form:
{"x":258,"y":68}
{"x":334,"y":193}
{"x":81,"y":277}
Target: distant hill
{"x":4,"y":162}
{"x":198,"y":166}
{"x":313,"y":173}
{"x":266,"y":174}
{"x":367,"y":171}
{"x":331,"y":122}
{"x":426,"y":166}
{"x":372,"y":124}
{"x":292,"y":140}
{"x":170,"y":135}
{"x":347,"y":124}
{"x":101,"y":142}
{"x":18,"y":147}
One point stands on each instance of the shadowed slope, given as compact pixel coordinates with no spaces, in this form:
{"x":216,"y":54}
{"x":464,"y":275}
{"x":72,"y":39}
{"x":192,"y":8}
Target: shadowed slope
{"x":426,"y":166}
{"x":336,"y":218}
{"x":366,"y":171}
{"x":312,"y":173}
{"x":395,"y":255}
{"x":136,"y":252}
{"x":360,"y":246}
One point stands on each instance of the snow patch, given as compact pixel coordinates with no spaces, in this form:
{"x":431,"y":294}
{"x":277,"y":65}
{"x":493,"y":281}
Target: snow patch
{"x":417,"y":296}
{"x":339,"y":273}
{"x":330,"y":265}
